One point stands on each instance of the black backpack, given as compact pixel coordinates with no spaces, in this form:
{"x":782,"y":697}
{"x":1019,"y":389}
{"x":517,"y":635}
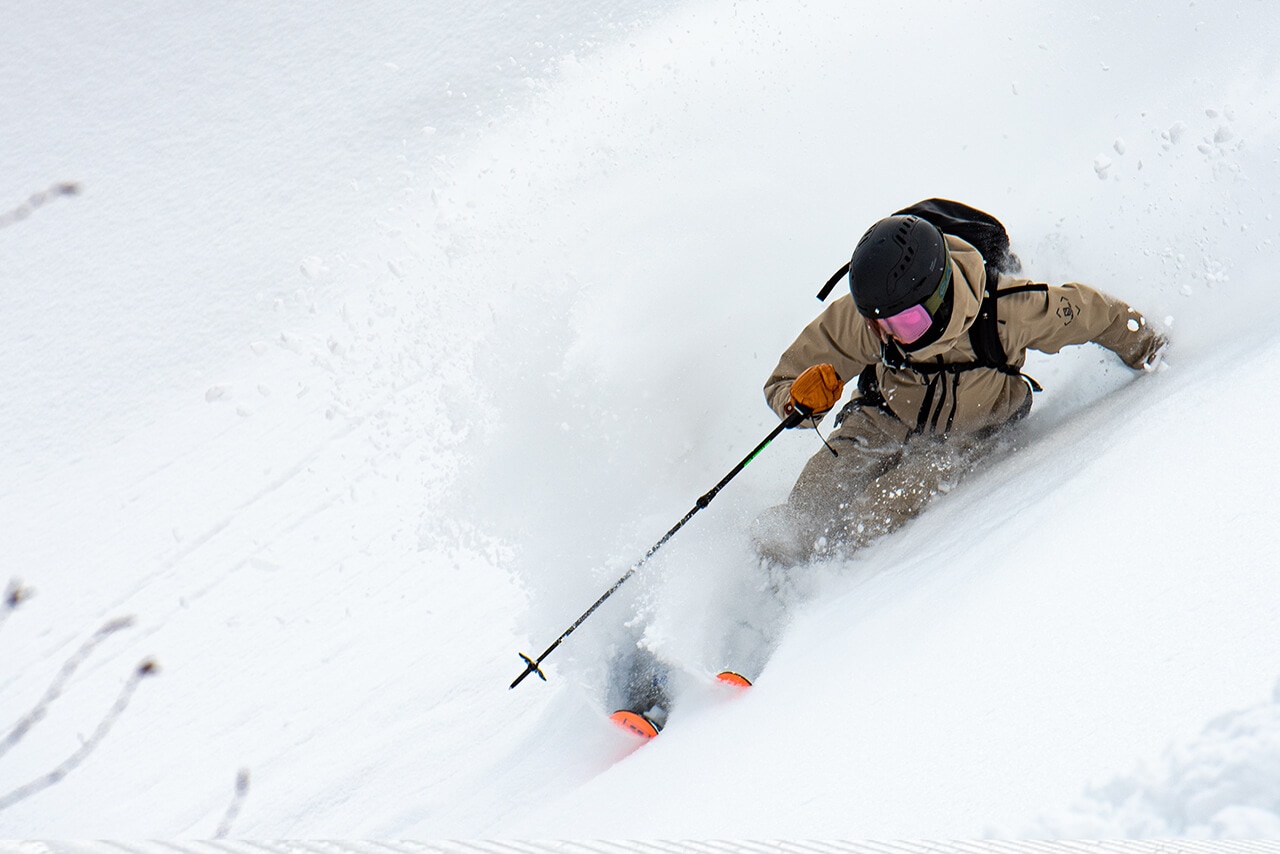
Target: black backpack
{"x":988,"y":235}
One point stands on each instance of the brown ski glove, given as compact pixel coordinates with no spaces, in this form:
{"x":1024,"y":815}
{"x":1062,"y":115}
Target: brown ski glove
{"x":816,"y":390}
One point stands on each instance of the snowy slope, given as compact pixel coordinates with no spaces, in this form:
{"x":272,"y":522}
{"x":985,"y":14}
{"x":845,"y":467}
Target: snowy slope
{"x":986,"y":675}
{"x":380,"y":342}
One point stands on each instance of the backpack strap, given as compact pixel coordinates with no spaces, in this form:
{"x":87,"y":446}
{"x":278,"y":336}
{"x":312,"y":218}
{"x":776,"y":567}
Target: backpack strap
{"x":984,"y":335}
{"x":832,"y":282}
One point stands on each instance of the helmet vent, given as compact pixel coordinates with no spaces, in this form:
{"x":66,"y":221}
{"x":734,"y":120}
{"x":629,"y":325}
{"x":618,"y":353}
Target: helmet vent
{"x":908,"y":254}
{"x":901,"y":236}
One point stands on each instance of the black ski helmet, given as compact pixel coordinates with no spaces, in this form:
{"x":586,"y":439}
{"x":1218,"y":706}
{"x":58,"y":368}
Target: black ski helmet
{"x":898,"y":263}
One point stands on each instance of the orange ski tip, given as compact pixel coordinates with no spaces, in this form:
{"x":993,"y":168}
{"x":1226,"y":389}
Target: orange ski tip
{"x":635,"y":723}
{"x":728,"y":677}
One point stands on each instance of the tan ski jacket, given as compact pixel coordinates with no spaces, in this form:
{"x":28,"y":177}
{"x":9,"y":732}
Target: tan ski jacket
{"x":1040,"y":317}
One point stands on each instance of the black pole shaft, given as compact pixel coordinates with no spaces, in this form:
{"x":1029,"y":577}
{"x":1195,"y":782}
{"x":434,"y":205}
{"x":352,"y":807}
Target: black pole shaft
{"x":533,"y":664}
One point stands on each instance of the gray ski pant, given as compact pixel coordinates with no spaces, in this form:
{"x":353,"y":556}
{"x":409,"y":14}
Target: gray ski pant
{"x":879,"y":478}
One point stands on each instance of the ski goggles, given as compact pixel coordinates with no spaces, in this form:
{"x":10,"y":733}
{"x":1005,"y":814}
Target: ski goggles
{"x":909,"y":325}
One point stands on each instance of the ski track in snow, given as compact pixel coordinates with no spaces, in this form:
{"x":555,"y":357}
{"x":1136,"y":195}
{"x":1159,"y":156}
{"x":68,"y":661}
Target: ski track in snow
{"x":483,"y":389}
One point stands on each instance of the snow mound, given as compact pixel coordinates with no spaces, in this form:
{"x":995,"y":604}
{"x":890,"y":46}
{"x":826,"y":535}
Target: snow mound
{"x":1223,"y":783}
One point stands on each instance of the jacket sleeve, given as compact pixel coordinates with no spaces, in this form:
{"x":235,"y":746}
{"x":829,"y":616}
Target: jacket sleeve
{"x":838,"y":337}
{"x":1078,"y":314}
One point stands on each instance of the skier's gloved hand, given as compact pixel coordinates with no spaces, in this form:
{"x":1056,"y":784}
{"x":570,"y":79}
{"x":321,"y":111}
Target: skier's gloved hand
{"x":815,"y":391}
{"x":1156,"y":361}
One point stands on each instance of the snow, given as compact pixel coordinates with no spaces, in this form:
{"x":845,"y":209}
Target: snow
{"x":380,"y":341}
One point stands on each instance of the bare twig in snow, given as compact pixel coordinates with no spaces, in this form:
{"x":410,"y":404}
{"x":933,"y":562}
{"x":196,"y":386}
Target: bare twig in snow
{"x":145,"y":669}
{"x":237,"y":801}
{"x":24,"y":210}
{"x":33,"y":717}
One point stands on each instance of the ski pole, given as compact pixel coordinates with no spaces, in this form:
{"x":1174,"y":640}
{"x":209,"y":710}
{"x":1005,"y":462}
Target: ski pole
{"x":533,"y":665}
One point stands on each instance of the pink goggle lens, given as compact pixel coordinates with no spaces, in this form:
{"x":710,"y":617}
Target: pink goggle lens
{"x":907,"y":326}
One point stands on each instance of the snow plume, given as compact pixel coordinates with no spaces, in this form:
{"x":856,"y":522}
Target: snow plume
{"x":633,"y":301}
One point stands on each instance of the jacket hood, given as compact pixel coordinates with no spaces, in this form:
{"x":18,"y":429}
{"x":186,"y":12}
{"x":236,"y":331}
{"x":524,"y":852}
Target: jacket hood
{"x":968,"y":280}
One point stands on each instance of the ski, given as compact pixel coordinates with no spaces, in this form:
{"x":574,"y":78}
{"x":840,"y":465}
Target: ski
{"x":635,"y":723}
{"x":731,"y":677}
{"x":647,"y":725}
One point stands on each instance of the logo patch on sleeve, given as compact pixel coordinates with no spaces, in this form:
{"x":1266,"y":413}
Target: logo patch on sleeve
{"x":1067,"y":311}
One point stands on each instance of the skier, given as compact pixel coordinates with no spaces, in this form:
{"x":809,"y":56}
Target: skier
{"x":936,"y":335}
{"x":938,"y":371}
